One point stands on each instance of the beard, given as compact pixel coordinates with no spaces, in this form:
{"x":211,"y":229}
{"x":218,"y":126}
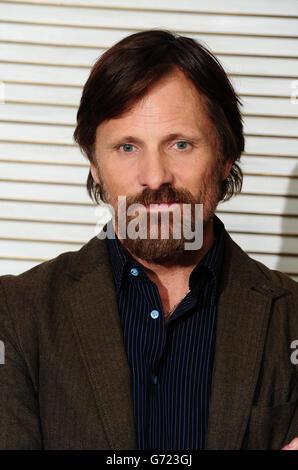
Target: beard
{"x":159,"y":249}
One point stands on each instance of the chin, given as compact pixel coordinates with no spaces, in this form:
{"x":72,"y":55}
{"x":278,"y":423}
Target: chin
{"x":164,"y":252}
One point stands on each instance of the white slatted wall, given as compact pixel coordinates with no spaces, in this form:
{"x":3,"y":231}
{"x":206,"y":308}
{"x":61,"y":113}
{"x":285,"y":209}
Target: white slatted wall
{"x":47,"y":48}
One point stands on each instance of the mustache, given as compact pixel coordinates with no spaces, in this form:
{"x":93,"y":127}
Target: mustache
{"x":164,"y":195}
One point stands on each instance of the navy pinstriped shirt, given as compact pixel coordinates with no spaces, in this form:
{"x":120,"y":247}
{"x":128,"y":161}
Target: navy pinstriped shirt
{"x":171,"y":364}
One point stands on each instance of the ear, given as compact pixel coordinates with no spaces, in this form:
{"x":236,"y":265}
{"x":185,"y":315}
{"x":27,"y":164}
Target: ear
{"x":94,"y":172}
{"x":226,"y":169}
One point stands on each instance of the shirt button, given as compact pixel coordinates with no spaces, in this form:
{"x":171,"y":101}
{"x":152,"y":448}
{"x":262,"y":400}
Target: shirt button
{"x":155,"y":379}
{"x":134,"y":272}
{"x":154,"y":314}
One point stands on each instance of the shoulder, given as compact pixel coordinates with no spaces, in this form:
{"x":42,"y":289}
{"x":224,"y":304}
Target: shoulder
{"x":241,"y":268}
{"x":40,"y":281}
{"x":278,"y":278}
{"x":31,"y":303}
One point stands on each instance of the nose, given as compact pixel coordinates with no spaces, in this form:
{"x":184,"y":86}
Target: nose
{"x":154,"y":171}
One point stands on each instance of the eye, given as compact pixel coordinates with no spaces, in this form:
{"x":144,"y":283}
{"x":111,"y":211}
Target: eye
{"x":127,"y":148}
{"x":182,"y":144}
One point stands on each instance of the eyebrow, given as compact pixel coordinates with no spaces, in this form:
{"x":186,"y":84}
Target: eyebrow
{"x":132,"y":139}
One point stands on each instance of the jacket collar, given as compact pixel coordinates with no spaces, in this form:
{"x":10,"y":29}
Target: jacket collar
{"x":244,"y":300}
{"x":89,"y":299}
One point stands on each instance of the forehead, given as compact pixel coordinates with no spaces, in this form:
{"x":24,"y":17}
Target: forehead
{"x":171,"y":103}
{"x":174,"y":93}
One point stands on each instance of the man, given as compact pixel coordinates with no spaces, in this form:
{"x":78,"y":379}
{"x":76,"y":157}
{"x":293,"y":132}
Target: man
{"x":135,"y":342}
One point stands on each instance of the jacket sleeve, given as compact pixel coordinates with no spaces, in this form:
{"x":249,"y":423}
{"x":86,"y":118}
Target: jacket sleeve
{"x":19,"y":410}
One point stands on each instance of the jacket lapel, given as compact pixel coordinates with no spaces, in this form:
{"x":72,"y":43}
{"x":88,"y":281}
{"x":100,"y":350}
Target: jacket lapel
{"x":90,"y":301}
{"x":244,"y":303}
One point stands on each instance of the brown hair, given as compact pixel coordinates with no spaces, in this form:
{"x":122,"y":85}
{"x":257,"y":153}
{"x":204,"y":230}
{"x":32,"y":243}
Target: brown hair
{"x":125,"y":73}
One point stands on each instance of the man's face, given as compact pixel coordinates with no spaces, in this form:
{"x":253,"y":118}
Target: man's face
{"x":164,"y":149}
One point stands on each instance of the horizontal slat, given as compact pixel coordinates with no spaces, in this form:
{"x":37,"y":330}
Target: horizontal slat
{"x":42,"y":94}
{"x":57,"y":213}
{"x":34,"y":249}
{"x":37,"y":133}
{"x":47,"y":173}
{"x":44,"y":74}
{"x":13,"y":266}
{"x":271,"y":146}
{"x":222,"y":44}
{"x":281,"y":263}
{"x":46,"y":231}
{"x":38,"y":113}
{"x":61,"y":35}
{"x":254,"y":204}
{"x":273,"y":224}
{"x":41,"y":153}
{"x":75,"y":57}
{"x":269,"y":106}
{"x":135,"y":19}
{"x":274,"y":166}
{"x":263,"y":86}
{"x":104,"y":38}
{"x":271,"y":126}
{"x":42,"y":192}
{"x":267,"y":244}
{"x":259,"y":66}
{"x":288,"y":7}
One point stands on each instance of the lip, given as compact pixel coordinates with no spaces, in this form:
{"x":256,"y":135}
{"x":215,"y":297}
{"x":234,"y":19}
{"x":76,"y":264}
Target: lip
{"x":164,"y":206}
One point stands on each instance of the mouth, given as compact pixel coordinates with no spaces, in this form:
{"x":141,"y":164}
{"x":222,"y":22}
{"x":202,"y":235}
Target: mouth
{"x":164,"y":206}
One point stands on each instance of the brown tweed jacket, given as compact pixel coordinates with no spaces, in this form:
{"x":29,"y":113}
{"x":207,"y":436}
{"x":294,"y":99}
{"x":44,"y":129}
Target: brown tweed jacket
{"x":65,"y":383}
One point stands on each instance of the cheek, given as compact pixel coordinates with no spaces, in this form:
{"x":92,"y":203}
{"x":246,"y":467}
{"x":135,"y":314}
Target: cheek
{"x":200,"y":179}
{"x":117,"y":182}
{"x":192,"y":176}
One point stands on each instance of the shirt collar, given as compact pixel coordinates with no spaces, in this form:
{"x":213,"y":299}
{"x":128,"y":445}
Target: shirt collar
{"x":121,"y":261}
{"x":212,"y":260}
